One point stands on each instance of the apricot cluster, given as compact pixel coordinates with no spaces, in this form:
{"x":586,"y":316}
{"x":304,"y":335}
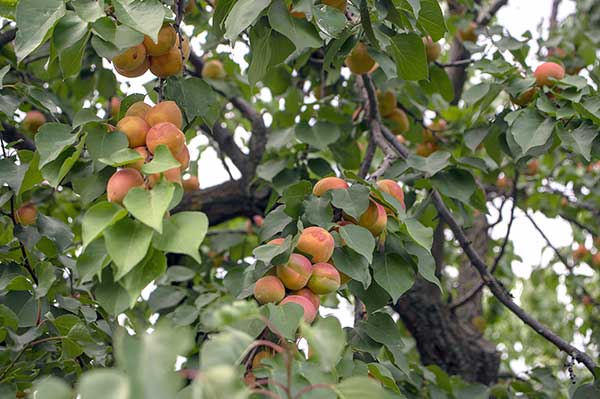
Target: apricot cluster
{"x":394,"y":117}
{"x":146,"y":128}
{"x":164,"y":58}
{"x":310,"y":271}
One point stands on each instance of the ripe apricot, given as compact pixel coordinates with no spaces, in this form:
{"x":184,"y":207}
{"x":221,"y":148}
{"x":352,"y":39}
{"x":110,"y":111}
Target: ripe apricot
{"x":295,"y":273}
{"x":143,"y":151}
{"x":310,"y":312}
{"x":426,"y":149}
{"x":468,"y":34}
{"x":546,"y":71}
{"x":183,"y":157}
{"x":191,"y":184}
{"x":138,"y":109}
{"x":401,"y":139}
{"x":386,"y":102}
{"x":258,"y":358}
{"x":26,"y":214}
{"x":317,"y":243}
{"x":311,"y":296}
{"x":580,"y":252}
{"x":329,"y":183}
{"x":502,"y":183}
{"x":166,"y":40}
{"x":168,"y":64}
{"x":359,"y":61}
{"x":524,"y":98}
{"x":432,"y":49}
{"x":115,"y":106}
{"x":374,"y":218}
{"x":165,"y":133}
{"x":532,"y":167}
{"x":134,"y":73}
{"x":171,"y":175}
{"x":165,"y":111}
{"x":398,"y":121}
{"x":269,"y":289}
{"x":135,"y":128}
{"x":121,"y":182}
{"x":33,"y":121}
{"x":324,"y":279}
{"x":276,"y":241}
{"x":339,"y":4}
{"x":130,"y":59}
{"x":392,"y":188}
{"x":213,"y":69}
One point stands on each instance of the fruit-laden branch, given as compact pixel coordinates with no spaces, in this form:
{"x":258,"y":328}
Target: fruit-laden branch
{"x":495,"y":287}
{"x":10,"y":134}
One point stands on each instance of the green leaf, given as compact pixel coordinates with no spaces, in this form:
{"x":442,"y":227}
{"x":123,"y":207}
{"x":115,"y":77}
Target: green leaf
{"x":242,"y":15}
{"x":393,"y":274}
{"x":85,"y":116}
{"x":46,"y":274}
{"x":579,"y":140}
{"x":183,"y":233}
{"x":104,"y":383}
{"x":12,"y":174}
{"x":89,"y":10}
{"x":455,"y":183}
{"x":320,"y":136}
{"x":354,"y":201}
{"x":57,"y":231}
{"x":111,"y":296}
{"x":225,"y":348}
{"x":260,"y":50}
{"x":124,"y":156}
{"x":92,"y":260}
{"x":285,"y":318}
{"x":318,"y":211}
{"x":274,"y":223}
{"x":145,"y":16}
{"x":55,"y":171}
{"x":420,"y":234}
{"x":476,"y":391}
{"x":359,"y":387}
{"x":301,"y":32}
{"x":51,"y":140}
{"x":162,"y":161}
{"x":3,"y":72}
{"x":409,"y":52}
{"x":196,"y":98}
{"x":327,"y":339}
{"x":330,"y":20}
{"x":294,"y":195}
{"x":99,"y":217}
{"x":425,"y":263}
{"x":432,"y":19}
{"x":127,"y":243}
{"x":430,"y":165}
{"x":51,"y":388}
{"x":586,"y":391}
{"x":102,"y":144}
{"x":381,"y":328}
{"x":35,"y":19}
{"x":150,"y":206}
{"x":352,"y":264}
{"x":359,"y":239}
{"x":136,"y":280}
{"x":530,"y":130}
{"x":70,"y":38}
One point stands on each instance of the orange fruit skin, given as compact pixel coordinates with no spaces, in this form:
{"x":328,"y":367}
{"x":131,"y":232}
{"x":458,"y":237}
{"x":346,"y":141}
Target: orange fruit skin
{"x":310,"y":313}
{"x":165,"y":133}
{"x":134,"y":73}
{"x":168,"y":64}
{"x":269,"y":289}
{"x":138,"y":109}
{"x":121,"y":182}
{"x":135,"y":128}
{"x":525,"y":98}
{"x":33,"y":121}
{"x":166,"y":40}
{"x":432,"y":49}
{"x":316,"y":242}
{"x":295,"y":274}
{"x":165,"y":111}
{"x":392,"y":188}
{"x":191,"y":184}
{"x":143,"y":151}
{"x":548,"y":70}
{"x":339,"y":4}
{"x":26,"y":214}
{"x":213,"y":69}
{"x":398,"y":121}
{"x":130,"y":59}
{"x":327,"y":184}
{"x":468,"y":34}
{"x":359,"y":61}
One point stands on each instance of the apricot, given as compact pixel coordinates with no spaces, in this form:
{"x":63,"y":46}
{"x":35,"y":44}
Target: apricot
{"x":524,"y":98}
{"x":139,"y":71}
{"x":213,"y":69}
{"x":143,"y":151}
{"x":165,"y":133}
{"x":296,"y":272}
{"x":398,"y":121}
{"x":165,"y":111}
{"x":121,"y":182}
{"x":276,"y":241}
{"x":401,"y":139}
{"x":191,"y":184}
{"x":310,"y":312}
{"x":172,"y":175}
{"x":115,"y":106}
{"x":183,"y":157}
{"x":269,"y":289}
{"x":468,"y":34}
{"x":596,"y":260}
{"x":438,"y":126}
{"x":386,"y":102}
{"x":166,"y":40}
{"x":432,"y":49}
{"x":426,"y":149}
{"x":557,"y":52}
{"x":135,"y":128}
{"x":359,"y":61}
{"x":311,"y":296}
{"x":546,"y":71}
{"x":392,"y":188}
{"x":317,"y":243}
{"x":502,"y":183}
{"x":168,"y":64}
{"x":138,"y":109}
{"x":580,"y":252}
{"x":26,"y":214}
{"x":374,"y":219}
{"x":339,"y":4}
{"x":324,"y":279}
{"x":33,"y":121}
{"x":258,"y":358}
{"x":130,"y":59}
{"x":329,"y":183}
{"x":532,"y":167}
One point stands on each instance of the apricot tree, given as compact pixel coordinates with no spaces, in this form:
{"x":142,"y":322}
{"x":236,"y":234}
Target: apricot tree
{"x":382,"y":157}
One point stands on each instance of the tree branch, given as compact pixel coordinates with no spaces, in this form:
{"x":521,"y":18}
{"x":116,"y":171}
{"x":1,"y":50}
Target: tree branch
{"x":224,"y":139}
{"x":10,"y":134}
{"x":554,"y":14}
{"x":8,"y":36}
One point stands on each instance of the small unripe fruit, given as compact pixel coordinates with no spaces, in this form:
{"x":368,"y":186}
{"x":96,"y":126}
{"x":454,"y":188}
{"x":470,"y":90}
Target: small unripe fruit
{"x":432,"y":49}
{"x":398,"y":121}
{"x":393,"y":189}
{"x":26,"y":214}
{"x":311,"y":296}
{"x":324,"y":279}
{"x":165,"y":111}
{"x":166,"y":40}
{"x":329,"y":183}
{"x":295,"y":274}
{"x":171,"y":175}
{"x":130,"y":59}
{"x":165,"y":133}
{"x":134,"y":73}
{"x":269,"y":289}
{"x":276,"y":241}
{"x":121,"y":182}
{"x":339,"y":4}
{"x":213,"y":69}
{"x":359,"y":61}
{"x":138,"y":109}
{"x":426,"y":149}
{"x":183,"y":157}
{"x":546,"y":71}
{"x":310,"y":312}
{"x":135,"y":128}
{"x":33,"y":121}
{"x":387,"y":102}
{"x":525,"y":98}
{"x":581,"y":252}
{"x":191,"y":184}
{"x":532,"y":167}
{"x":143,"y":151}
{"x":317,"y":243}
{"x":168,"y":64}
{"x":374,"y":219}
{"x":468,"y":34}
{"x":258,"y":358}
